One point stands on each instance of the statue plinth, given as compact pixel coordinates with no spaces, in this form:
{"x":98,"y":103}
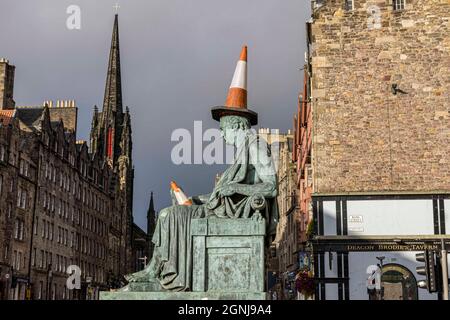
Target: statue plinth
{"x":228,"y":263}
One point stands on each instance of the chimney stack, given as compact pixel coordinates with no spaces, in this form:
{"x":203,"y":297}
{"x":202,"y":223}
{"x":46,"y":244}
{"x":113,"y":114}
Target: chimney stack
{"x":7,"y":73}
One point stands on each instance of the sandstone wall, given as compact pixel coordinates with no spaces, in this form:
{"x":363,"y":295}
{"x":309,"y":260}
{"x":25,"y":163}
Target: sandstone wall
{"x":365,"y":138}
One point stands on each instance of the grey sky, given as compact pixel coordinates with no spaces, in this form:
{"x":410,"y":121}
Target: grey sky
{"x":178,"y":58}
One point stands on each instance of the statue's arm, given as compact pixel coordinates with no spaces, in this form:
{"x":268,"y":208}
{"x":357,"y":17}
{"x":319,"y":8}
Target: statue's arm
{"x":265,"y":169}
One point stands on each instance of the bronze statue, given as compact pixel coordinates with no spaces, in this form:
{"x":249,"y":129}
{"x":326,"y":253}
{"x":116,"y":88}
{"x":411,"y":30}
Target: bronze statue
{"x":246,"y":190}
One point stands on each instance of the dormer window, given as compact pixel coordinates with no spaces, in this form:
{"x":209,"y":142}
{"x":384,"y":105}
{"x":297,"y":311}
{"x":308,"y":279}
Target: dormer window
{"x":399,"y":5}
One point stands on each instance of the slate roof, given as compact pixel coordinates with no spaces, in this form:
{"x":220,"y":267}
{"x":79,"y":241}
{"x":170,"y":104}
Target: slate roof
{"x":30,"y":116}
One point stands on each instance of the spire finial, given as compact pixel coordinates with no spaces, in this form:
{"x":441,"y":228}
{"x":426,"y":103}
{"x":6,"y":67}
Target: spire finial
{"x":116,"y":8}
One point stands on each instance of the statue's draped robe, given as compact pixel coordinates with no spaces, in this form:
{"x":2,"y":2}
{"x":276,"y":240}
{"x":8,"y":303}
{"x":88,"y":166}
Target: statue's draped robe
{"x":172,"y":257}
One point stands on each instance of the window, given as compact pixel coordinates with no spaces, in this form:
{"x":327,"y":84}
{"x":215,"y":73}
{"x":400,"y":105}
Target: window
{"x":35,"y":227}
{"x":41,"y":286}
{"x":46,"y":227}
{"x":110,"y":143}
{"x":51,"y":231}
{"x":44,"y":199}
{"x":18,"y":229}
{"x":399,"y":4}
{"x":19,"y":196}
{"x":41,"y":262}
{"x":33,"y":258}
{"x":2,"y":153}
{"x":349,"y":5}
{"x":19,"y":260}
{"x":43,"y":229}
{"x":24,"y":200}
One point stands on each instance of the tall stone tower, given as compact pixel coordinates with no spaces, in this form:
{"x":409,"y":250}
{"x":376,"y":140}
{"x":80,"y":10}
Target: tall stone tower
{"x":111,"y":140}
{"x":7,"y":72}
{"x":108,"y":125}
{"x":151,"y":224}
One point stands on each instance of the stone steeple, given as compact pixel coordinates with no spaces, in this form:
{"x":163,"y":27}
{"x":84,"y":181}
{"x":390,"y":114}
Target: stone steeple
{"x":113,"y":90}
{"x":151,"y":224}
{"x":111,"y":141}
{"x":107,"y":131}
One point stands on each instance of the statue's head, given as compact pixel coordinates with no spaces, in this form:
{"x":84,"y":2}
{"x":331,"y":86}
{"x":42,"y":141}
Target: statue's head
{"x":233,"y":128}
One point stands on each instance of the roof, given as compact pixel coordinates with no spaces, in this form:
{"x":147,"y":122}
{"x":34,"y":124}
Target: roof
{"x":6,"y":116}
{"x":30,"y":116}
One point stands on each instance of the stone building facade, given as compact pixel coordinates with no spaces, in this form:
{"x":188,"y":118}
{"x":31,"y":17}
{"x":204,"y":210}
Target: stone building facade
{"x":282,"y":256}
{"x":64,"y":203}
{"x":380,"y":90}
{"x":376,"y":107}
{"x":286,"y":240}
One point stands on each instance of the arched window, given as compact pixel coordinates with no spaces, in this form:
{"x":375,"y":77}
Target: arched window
{"x":109,"y":151}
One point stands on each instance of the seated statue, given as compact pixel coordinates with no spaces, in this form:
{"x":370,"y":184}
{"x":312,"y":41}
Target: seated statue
{"x":246,"y":188}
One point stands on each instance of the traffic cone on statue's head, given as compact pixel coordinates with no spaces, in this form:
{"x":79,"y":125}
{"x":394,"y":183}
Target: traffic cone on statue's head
{"x":182,"y":199}
{"x":236,"y":103}
{"x":237,"y":94}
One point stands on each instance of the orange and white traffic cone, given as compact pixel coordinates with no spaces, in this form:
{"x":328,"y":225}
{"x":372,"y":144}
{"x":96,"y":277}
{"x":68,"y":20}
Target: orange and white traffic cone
{"x":237,"y":94}
{"x":236,"y":103}
{"x":181,"y":197}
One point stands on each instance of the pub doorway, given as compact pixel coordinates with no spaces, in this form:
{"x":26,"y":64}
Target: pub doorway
{"x":397,"y":283}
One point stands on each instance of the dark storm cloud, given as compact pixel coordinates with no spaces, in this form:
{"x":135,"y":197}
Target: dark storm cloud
{"x":178,"y":58}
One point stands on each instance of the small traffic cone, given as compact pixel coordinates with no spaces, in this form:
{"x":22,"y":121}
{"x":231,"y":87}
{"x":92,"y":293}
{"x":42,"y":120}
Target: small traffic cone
{"x":237,"y":94}
{"x":182,"y":199}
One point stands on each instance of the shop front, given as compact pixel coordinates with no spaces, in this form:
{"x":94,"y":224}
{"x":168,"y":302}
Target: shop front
{"x":355,"y":234}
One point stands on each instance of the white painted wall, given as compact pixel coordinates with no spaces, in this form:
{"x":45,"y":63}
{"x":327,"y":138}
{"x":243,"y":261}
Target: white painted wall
{"x":329,"y":218}
{"x":391,"y":217}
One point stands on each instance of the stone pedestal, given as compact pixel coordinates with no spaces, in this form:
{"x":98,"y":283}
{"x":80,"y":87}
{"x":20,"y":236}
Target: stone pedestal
{"x":228,"y":263}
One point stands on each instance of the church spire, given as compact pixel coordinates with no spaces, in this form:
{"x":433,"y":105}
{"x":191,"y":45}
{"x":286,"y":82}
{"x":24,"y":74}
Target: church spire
{"x":151,"y":208}
{"x":112,"y":102}
{"x":151,"y":224}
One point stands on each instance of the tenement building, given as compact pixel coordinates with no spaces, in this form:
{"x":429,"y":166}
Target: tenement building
{"x":282,"y":256}
{"x":63,"y":203}
{"x":286,"y":240}
{"x":380,"y":111}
